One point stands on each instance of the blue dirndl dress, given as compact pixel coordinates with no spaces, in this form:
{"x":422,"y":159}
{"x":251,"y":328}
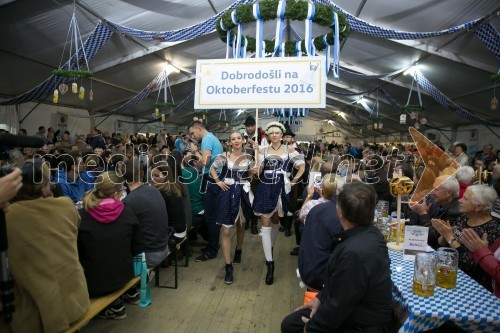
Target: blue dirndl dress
{"x":273,"y":191}
{"x":235,"y":203}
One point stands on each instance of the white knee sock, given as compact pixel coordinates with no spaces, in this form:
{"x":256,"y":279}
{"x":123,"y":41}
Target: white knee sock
{"x":266,"y":242}
{"x":274,"y":233}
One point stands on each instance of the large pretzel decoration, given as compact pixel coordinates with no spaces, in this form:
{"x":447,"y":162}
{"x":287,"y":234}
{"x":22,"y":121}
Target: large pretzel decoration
{"x":400,"y":185}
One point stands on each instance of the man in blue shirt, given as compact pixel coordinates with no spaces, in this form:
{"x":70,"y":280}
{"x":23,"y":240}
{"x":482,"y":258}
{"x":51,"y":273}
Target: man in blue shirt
{"x":210,"y":148}
{"x":179,"y":143}
{"x":68,"y":176}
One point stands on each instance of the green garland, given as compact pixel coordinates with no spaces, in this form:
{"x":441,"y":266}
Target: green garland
{"x":495,"y":78}
{"x":413,"y":108}
{"x":72,"y":73}
{"x":295,"y":10}
{"x":200,"y":112}
{"x":164,"y":104}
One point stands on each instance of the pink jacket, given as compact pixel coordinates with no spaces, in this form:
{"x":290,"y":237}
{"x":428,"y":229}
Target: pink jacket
{"x":491,"y":265}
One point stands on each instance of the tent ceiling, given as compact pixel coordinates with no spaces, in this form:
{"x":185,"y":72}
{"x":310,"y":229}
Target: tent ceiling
{"x":457,"y":64}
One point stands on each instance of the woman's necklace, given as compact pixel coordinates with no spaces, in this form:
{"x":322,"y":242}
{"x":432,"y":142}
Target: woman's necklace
{"x":276,"y":149}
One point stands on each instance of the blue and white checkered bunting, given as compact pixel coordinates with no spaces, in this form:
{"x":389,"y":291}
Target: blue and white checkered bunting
{"x":188,"y":33}
{"x":490,"y":38}
{"x":448,"y":103}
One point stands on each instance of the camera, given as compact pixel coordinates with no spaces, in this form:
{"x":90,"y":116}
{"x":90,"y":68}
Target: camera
{"x":5,"y":170}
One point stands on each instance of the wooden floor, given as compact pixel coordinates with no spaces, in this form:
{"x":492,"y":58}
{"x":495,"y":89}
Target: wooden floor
{"x":203,"y":303}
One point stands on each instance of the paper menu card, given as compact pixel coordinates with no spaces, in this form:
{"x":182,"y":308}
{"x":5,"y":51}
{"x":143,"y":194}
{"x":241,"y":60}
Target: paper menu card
{"x":415,"y":241}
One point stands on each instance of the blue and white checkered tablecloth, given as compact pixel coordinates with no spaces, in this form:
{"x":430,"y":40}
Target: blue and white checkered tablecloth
{"x":469,"y":306}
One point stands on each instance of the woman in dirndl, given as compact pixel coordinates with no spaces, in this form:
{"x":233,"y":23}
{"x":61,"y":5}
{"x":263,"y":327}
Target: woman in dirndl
{"x":234,"y":202}
{"x":272,"y":196}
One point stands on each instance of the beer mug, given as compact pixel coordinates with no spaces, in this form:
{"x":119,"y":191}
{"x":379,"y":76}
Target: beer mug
{"x":394,"y":228}
{"x":447,"y":267}
{"x":424,"y":274}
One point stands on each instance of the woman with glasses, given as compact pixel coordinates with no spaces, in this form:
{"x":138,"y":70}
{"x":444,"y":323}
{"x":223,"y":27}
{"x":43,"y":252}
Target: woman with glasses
{"x":108,"y":238}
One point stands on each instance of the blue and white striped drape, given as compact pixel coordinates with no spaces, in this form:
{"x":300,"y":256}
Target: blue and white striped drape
{"x":448,"y":103}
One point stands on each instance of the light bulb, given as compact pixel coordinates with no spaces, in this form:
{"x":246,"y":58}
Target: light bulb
{"x":81,"y":93}
{"x":55,"y":99}
{"x":402,"y":119}
{"x":494,"y":104}
{"x":74,"y":88}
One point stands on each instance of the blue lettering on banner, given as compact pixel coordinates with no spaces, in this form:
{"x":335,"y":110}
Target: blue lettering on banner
{"x":254,"y":89}
{"x":259,"y":75}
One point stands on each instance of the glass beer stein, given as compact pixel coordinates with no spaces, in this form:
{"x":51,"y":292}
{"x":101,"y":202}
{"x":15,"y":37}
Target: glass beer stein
{"x":424,"y":274}
{"x":447,"y":267}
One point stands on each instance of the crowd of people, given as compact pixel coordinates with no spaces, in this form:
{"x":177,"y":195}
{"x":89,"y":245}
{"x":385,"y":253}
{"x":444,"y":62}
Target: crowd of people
{"x":156,"y":191}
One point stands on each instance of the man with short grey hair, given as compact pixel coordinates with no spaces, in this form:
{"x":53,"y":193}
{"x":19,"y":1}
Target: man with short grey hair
{"x":442,"y":204}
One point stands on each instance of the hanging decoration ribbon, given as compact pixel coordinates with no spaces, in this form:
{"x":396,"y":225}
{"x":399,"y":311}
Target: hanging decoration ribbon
{"x":229,"y":38}
{"x":311,"y":10}
{"x":259,"y":31}
{"x":237,"y":47}
{"x":418,"y":91}
{"x":280,"y":16}
{"x":336,"y":47}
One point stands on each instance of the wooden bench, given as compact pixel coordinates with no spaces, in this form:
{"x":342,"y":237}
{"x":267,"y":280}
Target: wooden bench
{"x":176,"y":264}
{"x":97,"y":304}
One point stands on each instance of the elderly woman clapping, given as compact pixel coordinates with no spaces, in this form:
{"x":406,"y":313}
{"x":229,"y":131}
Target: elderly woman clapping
{"x":475,"y":209}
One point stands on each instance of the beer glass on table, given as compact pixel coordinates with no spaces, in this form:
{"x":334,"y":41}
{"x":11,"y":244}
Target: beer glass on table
{"x":424,"y":274}
{"x":447,"y":268}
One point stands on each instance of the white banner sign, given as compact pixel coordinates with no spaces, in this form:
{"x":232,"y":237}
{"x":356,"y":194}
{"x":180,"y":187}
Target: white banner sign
{"x":294,"y":82}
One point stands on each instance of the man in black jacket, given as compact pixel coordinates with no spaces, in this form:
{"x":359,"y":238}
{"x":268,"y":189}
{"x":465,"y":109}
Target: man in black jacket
{"x":356,"y":296}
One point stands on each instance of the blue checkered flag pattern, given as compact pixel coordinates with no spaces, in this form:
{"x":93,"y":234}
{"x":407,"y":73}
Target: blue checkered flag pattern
{"x":188,"y":33}
{"x":448,"y":103}
{"x":92,"y":45}
{"x":469,"y":305}
{"x":152,"y":86}
{"x":490,"y":38}
{"x":370,"y":29}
